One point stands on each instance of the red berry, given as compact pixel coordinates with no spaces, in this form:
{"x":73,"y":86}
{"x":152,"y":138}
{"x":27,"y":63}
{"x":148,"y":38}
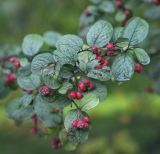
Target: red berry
{"x":85,"y":125}
{"x":110,"y":46}
{"x":138,"y":68}
{"x":86,"y":81}
{"x":86,"y":119}
{"x":33,"y":131}
{"x":101,"y":59}
{"x":34,"y":119}
{"x":17,"y":64}
{"x":10,"y":78}
{"x":99,"y":51}
{"x":157,"y":2}
{"x":79,"y":95}
{"x":110,"y":53}
{"x":106,"y":63}
{"x":90,"y":85}
{"x":74,"y":123}
{"x":45,"y":91}
{"x":96,"y":50}
{"x":72,"y":95}
{"x":80,"y":123}
{"x":12,"y":59}
{"x":128,"y":12}
{"x":56,"y":143}
{"x":82,"y":87}
{"x":119,"y":3}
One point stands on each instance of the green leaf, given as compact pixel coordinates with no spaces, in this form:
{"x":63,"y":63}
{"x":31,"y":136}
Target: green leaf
{"x":103,"y":74}
{"x":100,"y":34}
{"x":123,"y":67}
{"x":31,"y":82}
{"x":100,"y":90}
{"x":142,"y":56}
{"x":31,"y":44}
{"x":77,"y":136}
{"x":40,"y":62}
{"x":18,"y":112}
{"x":67,"y":49}
{"x":107,"y":7}
{"x":71,"y":116}
{"x":88,"y":102}
{"x":136,"y":30}
{"x":43,"y":110}
{"x":65,"y":87}
{"x":51,"y":38}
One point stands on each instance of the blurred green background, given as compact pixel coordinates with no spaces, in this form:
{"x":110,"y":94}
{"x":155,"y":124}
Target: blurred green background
{"x":128,"y":122}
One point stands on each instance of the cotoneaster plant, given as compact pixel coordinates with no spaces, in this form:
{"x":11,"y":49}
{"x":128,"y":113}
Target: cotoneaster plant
{"x":64,"y":83}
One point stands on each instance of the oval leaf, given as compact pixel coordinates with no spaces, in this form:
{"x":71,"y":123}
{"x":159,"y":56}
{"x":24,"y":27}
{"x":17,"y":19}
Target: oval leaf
{"x":31,"y":44}
{"x":142,"y":56}
{"x":67,"y":49}
{"x":123,"y":67}
{"x":100,"y":34}
{"x":136,"y":30}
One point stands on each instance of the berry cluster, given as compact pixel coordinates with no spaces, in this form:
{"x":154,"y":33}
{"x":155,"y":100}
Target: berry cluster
{"x":111,"y":49}
{"x":46,"y":91}
{"x":75,"y":95}
{"x":15,"y":62}
{"x":81,"y":123}
{"x":85,"y":85}
{"x":96,"y":50}
{"x":102,"y":62}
